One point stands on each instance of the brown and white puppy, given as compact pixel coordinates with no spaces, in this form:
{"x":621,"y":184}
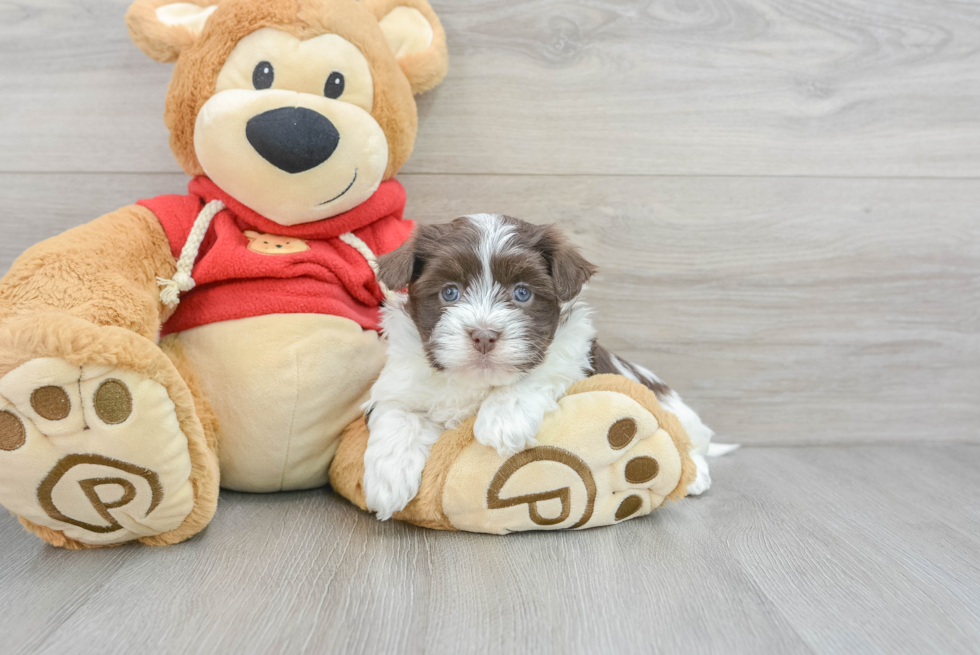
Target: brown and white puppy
{"x":492,"y":325}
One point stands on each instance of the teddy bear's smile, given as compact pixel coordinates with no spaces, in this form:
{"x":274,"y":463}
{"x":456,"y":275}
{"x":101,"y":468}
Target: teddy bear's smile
{"x":342,"y":193}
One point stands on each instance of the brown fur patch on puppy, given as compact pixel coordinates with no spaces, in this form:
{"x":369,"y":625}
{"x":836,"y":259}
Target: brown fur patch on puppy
{"x":604,"y":362}
{"x":566,"y":265}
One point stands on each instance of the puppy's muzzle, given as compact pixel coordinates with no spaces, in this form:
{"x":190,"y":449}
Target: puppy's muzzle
{"x":484,"y":340}
{"x":293,"y":139}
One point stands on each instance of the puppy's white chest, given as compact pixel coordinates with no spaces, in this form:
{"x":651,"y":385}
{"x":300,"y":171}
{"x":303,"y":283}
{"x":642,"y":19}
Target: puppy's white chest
{"x":449,"y":405}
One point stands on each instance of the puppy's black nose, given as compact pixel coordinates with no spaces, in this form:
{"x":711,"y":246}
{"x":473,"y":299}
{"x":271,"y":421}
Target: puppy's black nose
{"x":484,"y":340}
{"x":293,"y":139}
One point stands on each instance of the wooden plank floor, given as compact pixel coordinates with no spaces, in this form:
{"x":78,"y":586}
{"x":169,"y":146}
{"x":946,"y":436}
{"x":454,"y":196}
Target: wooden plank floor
{"x":797,"y":550}
{"x":783,"y":200}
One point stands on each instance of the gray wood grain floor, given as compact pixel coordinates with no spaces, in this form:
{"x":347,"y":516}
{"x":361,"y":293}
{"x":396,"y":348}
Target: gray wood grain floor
{"x":797,"y":550}
{"x":783,"y":200}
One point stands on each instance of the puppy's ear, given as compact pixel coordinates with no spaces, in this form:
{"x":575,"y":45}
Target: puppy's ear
{"x":163,"y":28}
{"x":566,"y":265}
{"x":416,"y":38}
{"x":401,"y":266}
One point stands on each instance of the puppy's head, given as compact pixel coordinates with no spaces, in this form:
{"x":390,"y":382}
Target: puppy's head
{"x":486,"y":292}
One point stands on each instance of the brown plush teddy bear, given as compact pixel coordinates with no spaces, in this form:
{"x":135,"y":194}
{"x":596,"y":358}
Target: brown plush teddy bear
{"x":228,"y":336}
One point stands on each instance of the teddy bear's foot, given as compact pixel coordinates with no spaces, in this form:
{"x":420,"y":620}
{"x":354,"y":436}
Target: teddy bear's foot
{"x":602,"y":458}
{"x":95,"y":453}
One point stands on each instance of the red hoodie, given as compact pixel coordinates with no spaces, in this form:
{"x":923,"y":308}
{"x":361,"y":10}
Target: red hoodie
{"x":326,"y":277}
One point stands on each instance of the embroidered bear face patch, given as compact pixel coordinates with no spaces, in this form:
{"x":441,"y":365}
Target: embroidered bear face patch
{"x":272,"y":244}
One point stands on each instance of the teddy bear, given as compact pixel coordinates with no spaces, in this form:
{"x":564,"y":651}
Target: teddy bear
{"x":228,"y":336}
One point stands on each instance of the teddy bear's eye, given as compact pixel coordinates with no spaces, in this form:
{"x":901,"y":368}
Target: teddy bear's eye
{"x":263,"y":76}
{"x":334,"y":87}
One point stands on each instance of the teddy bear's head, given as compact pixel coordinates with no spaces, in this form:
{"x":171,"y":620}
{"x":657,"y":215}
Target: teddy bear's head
{"x":298,"y":109}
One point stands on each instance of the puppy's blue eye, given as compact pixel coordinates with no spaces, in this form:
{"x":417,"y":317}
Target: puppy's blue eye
{"x":522,"y":294}
{"x":450,"y":294}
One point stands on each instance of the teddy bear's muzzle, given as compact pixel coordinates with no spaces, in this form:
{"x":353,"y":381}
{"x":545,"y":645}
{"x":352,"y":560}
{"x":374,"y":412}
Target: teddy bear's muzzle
{"x":293,"y":139}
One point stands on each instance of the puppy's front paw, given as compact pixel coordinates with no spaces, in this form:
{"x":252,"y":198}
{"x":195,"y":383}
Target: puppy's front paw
{"x":391,"y":479}
{"x":508,"y":423}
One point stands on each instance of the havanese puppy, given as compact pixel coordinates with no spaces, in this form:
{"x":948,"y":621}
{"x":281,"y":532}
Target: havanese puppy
{"x":492,"y":325}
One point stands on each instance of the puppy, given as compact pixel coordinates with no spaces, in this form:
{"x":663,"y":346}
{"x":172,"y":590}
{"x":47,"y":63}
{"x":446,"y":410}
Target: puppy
{"x":492,"y":325}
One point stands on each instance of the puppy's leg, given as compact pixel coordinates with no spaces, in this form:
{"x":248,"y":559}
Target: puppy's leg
{"x":700,"y":435}
{"x":510,"y":417}
{"x":397,"y":449}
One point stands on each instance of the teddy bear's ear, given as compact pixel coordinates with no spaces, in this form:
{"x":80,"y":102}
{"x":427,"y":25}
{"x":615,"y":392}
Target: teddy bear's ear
{"x":416,"y":38}
{"x":250,"y":234}
{"x":163,"y":28}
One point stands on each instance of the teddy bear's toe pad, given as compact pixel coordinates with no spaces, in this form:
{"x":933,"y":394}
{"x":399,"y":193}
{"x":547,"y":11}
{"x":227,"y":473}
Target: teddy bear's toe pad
{"x":601,"y":459}
{"x":94,"y":452}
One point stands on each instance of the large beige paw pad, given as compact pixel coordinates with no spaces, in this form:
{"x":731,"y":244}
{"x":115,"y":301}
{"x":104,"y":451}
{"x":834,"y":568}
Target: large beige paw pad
{"x":601,"y":459}
{"x":94,"y":452}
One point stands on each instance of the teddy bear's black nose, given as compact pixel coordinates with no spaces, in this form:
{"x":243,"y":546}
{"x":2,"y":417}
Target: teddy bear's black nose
{"x":293,"y":139}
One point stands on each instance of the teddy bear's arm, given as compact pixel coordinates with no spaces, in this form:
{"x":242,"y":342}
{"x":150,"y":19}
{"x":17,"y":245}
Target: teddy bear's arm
{"x":104,"y":272}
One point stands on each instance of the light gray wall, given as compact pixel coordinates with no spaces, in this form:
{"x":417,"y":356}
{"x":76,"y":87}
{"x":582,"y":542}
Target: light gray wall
{"x":782,"y":197}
